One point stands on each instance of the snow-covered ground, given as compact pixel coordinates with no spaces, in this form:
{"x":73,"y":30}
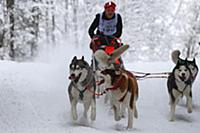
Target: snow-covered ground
{"x":33,"y":99}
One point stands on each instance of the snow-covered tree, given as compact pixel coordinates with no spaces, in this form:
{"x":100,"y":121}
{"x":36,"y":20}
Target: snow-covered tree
{"x":151,"y":27}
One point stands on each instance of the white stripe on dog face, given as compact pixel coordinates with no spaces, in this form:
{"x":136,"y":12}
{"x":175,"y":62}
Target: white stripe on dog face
{"x":84,"y":73}
{"x":75,"y":70}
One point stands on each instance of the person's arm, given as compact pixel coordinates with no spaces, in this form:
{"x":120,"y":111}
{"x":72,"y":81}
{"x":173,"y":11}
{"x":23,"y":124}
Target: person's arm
{"x":119,"y":27}
{"x":94,"y":25}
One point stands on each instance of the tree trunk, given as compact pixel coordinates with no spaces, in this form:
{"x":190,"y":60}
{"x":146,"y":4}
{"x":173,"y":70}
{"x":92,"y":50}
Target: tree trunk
{"x":47,"y":22}
{"x":35,"y":31}
{"x":1,"y":33}
{"x":53,"y":23}
{"x":10,"y":9}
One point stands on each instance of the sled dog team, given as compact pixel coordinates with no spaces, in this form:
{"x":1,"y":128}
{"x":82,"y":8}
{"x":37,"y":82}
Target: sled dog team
{"x":122,"y":86}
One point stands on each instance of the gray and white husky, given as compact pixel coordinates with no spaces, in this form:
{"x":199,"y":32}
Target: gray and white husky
{"x":179,"y":84}
{"x":82,"y":87}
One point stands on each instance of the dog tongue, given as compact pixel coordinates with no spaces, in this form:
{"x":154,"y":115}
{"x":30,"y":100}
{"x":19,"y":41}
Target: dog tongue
{"x":182,"y":78}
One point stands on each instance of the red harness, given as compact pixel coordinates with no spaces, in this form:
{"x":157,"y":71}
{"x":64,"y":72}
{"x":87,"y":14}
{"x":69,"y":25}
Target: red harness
{"x":93,"y":92}
{"x":117,"y":84}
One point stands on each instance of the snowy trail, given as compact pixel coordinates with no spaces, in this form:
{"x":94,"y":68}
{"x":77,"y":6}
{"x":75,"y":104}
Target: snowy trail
{"x":33,"y":99}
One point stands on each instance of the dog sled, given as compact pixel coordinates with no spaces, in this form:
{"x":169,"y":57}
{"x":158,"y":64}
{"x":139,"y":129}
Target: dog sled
{"x":106,"y":51}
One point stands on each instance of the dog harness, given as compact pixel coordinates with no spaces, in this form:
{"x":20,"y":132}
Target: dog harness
{"x":117,"y":84}
{"x":86,"y":83}
{"x":188,"y":82}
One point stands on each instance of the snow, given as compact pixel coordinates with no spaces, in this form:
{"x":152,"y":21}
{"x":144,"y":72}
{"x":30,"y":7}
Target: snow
{"x":33,"y":99}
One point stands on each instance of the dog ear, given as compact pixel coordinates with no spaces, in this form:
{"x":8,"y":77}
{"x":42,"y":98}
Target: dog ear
{"x":74,"y":59}
{"x":82,"y":58}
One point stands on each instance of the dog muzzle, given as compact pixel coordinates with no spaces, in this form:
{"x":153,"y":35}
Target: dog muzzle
{"x":183,"y":78}
{"x":72,"y":77}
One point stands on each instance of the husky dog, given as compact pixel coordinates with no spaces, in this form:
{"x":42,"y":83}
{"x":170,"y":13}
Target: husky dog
{"x":121,"y":84}
{"x":105,"y":61}
{"x":82,"y":87}
{"x":191,"y":64}
{"x":123,"y":88}
{"x":179,"y":84}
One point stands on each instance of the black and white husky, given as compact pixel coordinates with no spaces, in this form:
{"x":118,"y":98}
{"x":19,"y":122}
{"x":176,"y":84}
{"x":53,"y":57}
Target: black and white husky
{"x":180,"y":84}
{"x":82,"y":87}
